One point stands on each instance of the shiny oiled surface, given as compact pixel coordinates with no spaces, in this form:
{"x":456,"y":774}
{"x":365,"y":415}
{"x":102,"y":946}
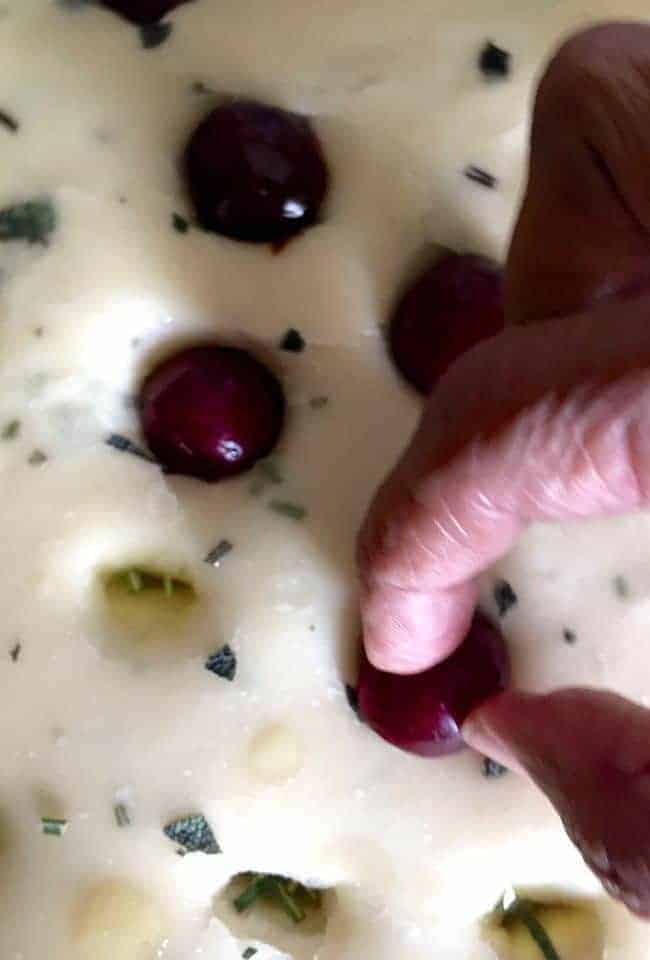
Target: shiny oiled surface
{"x":107,"y":701}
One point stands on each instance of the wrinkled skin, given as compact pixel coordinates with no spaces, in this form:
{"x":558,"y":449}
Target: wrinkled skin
{"x":548,"y":421}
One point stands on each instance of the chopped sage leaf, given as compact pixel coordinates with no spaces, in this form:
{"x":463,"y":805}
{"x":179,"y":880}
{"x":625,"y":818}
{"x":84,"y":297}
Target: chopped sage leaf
{"x":14,"y":653}
{"x":287,"y":509}
{"x":32,"y":221}
{"x":480,"y":176}
{"x":179,"y":223}
{"x":124,"y":445}
{"x":8,"y":122}
{"x":152,"y":35}
{"x":569,"y":636}
{"x":249,"y":952}
{"x":293,"y":341}
{"x":316,"y":403}
{"x":223,"y":663}
{"x":292,"y":897}
{"x":524,"y":911}
{"x":201,"y":88}
{"x":194,"y":834}
{"x":352,"y":696}
{"x":122,"y":818}
{"x":11,"y":430}
{"x":493,"y":61}
{"x":492,"y":769}
{"x":504,"y":597}
{"x":53,"y":827}
{"x":621,"y":587}
{"x":216,"y":555}
{"x":36,"y":458}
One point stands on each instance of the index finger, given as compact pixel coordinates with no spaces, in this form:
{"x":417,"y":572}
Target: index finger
{"x":518,"y":430}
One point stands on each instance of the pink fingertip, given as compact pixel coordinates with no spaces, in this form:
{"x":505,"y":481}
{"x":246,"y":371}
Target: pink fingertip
{"x":408,"y":632}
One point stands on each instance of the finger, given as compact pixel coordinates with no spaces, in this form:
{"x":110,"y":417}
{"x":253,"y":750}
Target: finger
{"x":589,"y":751}
{"x":581,"y":238}
{"x":583,"y":230}
{"x":546,"y":450}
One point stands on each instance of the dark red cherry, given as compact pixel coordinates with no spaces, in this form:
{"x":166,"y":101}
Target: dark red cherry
{"x":143,"y":11}
{"x":255,"y":173}
{"x":211,"y":412}
{"x":452,"y":306}
{"x":423,"y":713}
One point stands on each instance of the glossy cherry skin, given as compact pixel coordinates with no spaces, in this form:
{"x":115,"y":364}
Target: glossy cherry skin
{"x":255,"y":173}
{"x":423,"y":713}
{"x":452,"y":306}
{"x":143,"y":12}
{"x":211,"y":412}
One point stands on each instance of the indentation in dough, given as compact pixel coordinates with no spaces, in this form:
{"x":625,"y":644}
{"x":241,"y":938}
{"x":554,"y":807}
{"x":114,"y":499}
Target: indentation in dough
{"x":147,"y":608}
{"x":275,"y":754}
{"x":267,"y":921}
{"x":573,"y":927}
{"x":114,"y":919}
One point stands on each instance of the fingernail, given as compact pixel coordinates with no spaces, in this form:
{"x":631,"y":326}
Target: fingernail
{"x":481,"y":737}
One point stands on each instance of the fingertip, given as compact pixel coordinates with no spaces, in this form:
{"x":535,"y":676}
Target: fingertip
{"x":408,"y":632}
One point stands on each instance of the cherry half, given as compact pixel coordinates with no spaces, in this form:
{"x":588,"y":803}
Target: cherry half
{"x":211,"y":412}
{"x":423,"y":713}
{"x":255,"y":173}
{"x":452,"y":306}
{"x":143,"y":12}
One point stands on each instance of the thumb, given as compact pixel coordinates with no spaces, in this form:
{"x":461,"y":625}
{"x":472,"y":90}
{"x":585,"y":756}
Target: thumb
{"x":589,"y":751}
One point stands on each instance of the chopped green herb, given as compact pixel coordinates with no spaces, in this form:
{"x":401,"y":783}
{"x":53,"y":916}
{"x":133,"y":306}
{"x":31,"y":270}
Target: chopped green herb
{"x":480,"y":176}
{"x":317,"y":403}
{"x":569,"y":636}
{"x":9,"y":122}
{"x":36,"y":458}
{"x":492,"y":769}
{"x":621,"y":587}
{"x":223,"y":663}
{"x":293,"y":341}
{"x":193,"y":834}
{"x":287,"y":509}
{"x":179,"y":223}
{"x":504,"y":597}
{"x":524,"y":911}
{"x":11,"y":430}
{"x":32,"y":221}
{"x":152,"y":35}
{"x":216,"y":555}
{"x":292,"y":897}
{"x":14,"y":653}
{"x":248,"y":953}
{"x":53,"y":827}
{"x":134,"y":580}
{"x":122,"y":818}
{"x":124,"y":445}
{"x":493,"y":61}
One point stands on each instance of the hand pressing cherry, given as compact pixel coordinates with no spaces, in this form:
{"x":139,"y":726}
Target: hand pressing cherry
{"x":547,"y":421}
{"x":423,"y":712}
{"x":143,"y":12}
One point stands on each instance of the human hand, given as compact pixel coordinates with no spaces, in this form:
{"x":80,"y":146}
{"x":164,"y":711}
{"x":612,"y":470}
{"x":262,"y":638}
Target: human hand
{"x":548,"y":421}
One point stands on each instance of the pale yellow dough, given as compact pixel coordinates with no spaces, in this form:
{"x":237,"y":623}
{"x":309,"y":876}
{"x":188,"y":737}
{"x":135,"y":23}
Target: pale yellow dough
{"x":95,"y":711}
